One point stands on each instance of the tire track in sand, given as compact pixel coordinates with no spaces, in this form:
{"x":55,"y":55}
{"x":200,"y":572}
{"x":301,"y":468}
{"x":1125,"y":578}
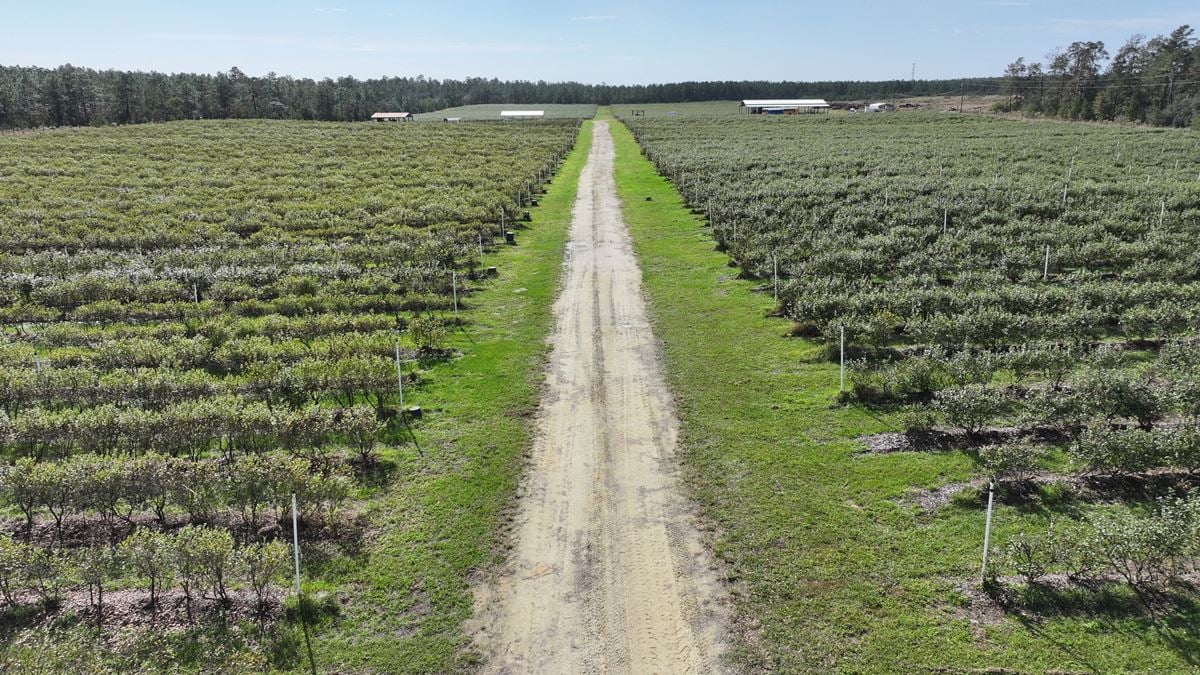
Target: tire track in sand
{"x":607,"y":571}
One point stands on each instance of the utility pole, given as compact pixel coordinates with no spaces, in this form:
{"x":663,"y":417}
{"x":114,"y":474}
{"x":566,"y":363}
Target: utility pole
{"x":962,"y":94}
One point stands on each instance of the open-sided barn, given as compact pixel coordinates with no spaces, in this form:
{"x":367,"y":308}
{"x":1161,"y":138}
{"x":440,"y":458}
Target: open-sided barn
{"x":785,"y":106}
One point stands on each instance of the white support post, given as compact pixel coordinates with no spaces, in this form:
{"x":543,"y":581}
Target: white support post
{"x":775,"y":275}
{"x":195,"y":294}
{"x":1162,"y":211}
{"x":1046,"y":266}
{"x":296,"y":542}
{"x":987,"y":531}
{"x":454,"y":290}
{"x":842,"y":359}
{"x":945,"y":219}
{"x":481,"y":246}
{"x":399,"y":378}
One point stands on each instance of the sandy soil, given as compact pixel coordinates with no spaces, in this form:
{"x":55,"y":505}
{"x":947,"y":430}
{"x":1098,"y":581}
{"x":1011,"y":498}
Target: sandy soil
{"x":607,"y":571}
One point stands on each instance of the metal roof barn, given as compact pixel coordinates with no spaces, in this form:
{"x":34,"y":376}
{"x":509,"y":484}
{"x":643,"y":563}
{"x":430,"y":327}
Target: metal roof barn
{"x":391,"y":116}
{"x":758,"y":106}
{"x":519,"y":114}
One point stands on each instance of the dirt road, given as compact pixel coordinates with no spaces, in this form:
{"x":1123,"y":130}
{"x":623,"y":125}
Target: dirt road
{"x":607,"y":573}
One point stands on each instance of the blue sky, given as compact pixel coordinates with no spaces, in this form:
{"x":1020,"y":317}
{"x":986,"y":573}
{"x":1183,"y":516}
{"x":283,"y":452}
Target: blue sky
{"x":617,"y":42}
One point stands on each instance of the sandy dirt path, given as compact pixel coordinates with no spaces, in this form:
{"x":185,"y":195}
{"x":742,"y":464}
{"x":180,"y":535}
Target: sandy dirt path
{"x":607,"y":571}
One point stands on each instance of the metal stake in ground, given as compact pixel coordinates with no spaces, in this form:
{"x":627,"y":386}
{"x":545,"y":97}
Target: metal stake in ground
{"x":987,"y":531}
{"x":296,"y":542}
{"x":1046,"y":266}
{"x":775,"y":274}
{"x":399,"y":378}
{"x":842,"y":368}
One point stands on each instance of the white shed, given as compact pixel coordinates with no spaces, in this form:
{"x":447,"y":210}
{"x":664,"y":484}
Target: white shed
{"x":392,"y":116}
{"x":784,"y":106}
{"x":522,"y":114}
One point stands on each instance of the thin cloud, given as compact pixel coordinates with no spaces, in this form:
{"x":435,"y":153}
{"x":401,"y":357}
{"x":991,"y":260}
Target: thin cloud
{"x":447,"y":47}
{"x":329,"y":10}
{"x":595,"y":17}
{"x":227,"y":37}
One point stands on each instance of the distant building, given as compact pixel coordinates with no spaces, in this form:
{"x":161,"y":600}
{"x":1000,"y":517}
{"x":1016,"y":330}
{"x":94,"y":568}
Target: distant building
{"x":880,"y":107}
{"x":392,"y":117}
{"x":785,"y":106}
{"x":451,"y":119}
{"x":522,"y":114}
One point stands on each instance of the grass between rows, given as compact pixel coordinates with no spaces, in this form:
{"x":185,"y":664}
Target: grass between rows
{"x":441,"y":517}
{"x":830,"y":566}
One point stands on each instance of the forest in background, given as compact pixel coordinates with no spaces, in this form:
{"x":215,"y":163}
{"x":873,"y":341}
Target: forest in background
{"x":1154,"y":81}
{"x":75,"y":96}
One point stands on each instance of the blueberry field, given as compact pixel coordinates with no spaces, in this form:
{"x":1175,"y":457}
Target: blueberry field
{"x":199,"y":321}
{"x":1017,"y":298}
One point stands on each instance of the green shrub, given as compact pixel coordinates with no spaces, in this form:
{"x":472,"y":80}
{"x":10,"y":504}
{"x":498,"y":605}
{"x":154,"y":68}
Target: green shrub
{"x":1032,"y":557}
{"x":1010,"y":460}
{"x":970,"y":408}
{"x":1119,"y":451}
{"x":428,"y":332}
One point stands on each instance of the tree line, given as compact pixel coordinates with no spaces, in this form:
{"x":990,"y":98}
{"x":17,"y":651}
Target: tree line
{"x":74,"y":96}
{"x":1153,"y":81}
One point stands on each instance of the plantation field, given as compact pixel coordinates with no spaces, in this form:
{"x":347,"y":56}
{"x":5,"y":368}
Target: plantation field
{"x":856,"y":519}
{"x":199,"y":319}
{"x":491,"y":111}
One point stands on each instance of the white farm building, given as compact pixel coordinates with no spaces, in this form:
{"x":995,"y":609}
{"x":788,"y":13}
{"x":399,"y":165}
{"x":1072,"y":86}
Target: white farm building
{"x":784,"y":106}
{"x":522,"y":114}
{"x":392,"y":117}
